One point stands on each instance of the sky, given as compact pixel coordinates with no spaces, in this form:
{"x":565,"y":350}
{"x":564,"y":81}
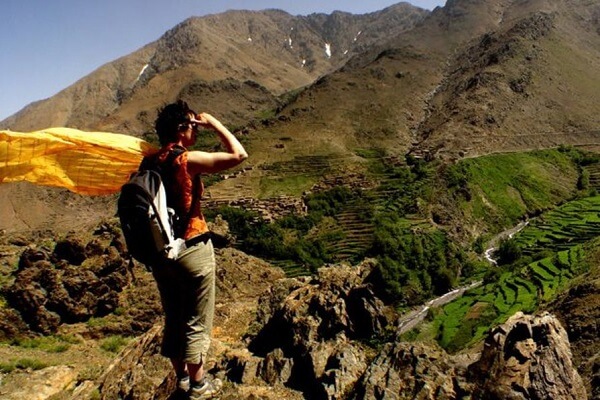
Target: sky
{"x":47,"y":45}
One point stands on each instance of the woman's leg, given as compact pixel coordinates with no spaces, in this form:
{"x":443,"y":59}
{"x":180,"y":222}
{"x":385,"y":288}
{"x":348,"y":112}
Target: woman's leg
{"x":169,"y":279}
{"x":200,"y":308}
{"x":180,"y":367}
{"x":196,"y":372}
{"x":198,"y":262}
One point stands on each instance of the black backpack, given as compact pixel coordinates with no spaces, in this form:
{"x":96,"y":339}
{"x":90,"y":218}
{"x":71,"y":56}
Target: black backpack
{"x":146,"y":221}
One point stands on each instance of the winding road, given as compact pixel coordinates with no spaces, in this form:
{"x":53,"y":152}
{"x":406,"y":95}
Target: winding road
{"x":506,"y":234}
{"x":416,"y":316}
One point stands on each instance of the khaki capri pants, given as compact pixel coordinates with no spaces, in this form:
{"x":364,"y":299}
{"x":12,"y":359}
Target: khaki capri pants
{"x":187,"y":292}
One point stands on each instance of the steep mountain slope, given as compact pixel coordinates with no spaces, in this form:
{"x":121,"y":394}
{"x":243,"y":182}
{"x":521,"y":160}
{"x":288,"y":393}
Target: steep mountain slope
{"x":473,"y":78}
{"x":278,"y":51}
{"x":381,"y":98}
{"x":470,"y":78}
{"x":530,"y":83}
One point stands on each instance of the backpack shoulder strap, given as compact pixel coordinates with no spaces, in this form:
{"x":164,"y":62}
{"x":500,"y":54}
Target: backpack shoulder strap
{"x":151,"y":162}
{"x":177,"y":150}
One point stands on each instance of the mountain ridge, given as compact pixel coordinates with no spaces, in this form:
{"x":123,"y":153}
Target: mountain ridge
{"x":272,"y":59}
{"x":468,"y":79}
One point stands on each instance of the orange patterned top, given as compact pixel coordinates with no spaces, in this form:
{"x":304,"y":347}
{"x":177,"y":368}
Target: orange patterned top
{"x":183,"y":193}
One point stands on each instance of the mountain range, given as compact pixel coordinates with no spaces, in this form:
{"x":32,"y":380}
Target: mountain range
{"x":471,"y":78}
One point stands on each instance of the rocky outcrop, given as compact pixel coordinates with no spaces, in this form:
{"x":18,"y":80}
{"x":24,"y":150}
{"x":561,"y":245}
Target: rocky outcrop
{"x":579,"y":311}
{"x":528,"y":357}
{"x":338,"y":302}
{"x":74,"y":282}
{"x":140,"y":371}
{"x":309,"y":333}
{"x":313,"y":334}
{"x":411,"y":371}
{"x":317,"y":338}
{"x":328,"y":336}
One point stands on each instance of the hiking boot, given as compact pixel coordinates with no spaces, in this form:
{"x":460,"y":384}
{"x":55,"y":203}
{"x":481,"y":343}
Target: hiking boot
{"x":183,"y":384}
{"x":205,"y":389}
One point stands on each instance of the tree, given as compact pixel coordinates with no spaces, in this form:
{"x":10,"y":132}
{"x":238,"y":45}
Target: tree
{"x":508,"y":251}
{"x":583,"y":182}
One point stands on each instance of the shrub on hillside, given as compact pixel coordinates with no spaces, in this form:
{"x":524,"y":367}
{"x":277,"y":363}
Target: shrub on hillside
{"x":414,"y":266}
{"x":508,"y":251}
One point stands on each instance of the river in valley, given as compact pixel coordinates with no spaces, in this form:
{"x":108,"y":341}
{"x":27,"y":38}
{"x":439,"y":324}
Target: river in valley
{"x":418,"y":314}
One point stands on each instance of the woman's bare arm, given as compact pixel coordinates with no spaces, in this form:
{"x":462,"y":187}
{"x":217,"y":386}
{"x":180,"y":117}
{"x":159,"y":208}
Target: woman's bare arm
{"x":205,"y":162}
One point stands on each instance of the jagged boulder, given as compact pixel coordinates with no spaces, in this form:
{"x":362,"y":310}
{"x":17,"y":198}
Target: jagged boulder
{"x":338,"y":303}
{"x":71,"y":249}
{"x":306,"y":329}
{"x":343,"y":368}
{"x":528,"y":357}
{"x":410,"y":371}
{"x":11,"y":324}
{"x":139,"y":372}
{"x":71,"y":284}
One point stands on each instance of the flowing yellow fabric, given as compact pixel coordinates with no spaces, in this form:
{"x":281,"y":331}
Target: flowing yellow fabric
{"x":92,"y":163}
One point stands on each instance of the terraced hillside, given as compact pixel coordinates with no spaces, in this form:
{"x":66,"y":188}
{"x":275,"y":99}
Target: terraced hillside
{"x":594,"y":175}
{"x":341,"y":232}
{"x":562,"y":233}
{"x":379,"y":190}
{"x":573,"y":223}
{"x":298,"y":175}
{"x":357,"y":227}
{"x":467,"y":319}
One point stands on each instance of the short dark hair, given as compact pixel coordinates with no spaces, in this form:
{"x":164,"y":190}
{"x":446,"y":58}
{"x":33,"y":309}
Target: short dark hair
{"x":169,"y":120}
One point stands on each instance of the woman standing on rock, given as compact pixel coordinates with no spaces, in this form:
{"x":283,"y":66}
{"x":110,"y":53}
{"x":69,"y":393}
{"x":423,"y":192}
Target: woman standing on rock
{"x":187,"y":285}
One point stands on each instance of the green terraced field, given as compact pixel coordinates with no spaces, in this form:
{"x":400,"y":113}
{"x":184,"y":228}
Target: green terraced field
{"x":594,"y":171}
{"x":292,"y":269}
{"x":465,"y":320}
{"x":358,"y":234}
{"x":560,"y":229}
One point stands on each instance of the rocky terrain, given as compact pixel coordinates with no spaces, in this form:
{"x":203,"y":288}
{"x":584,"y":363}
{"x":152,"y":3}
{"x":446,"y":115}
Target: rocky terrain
{"x":520,"y":356}
{"x":276,"y":337}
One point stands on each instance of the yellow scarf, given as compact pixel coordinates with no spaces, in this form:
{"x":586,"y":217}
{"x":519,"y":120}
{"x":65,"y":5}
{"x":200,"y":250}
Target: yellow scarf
{"x":92,"y":163}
